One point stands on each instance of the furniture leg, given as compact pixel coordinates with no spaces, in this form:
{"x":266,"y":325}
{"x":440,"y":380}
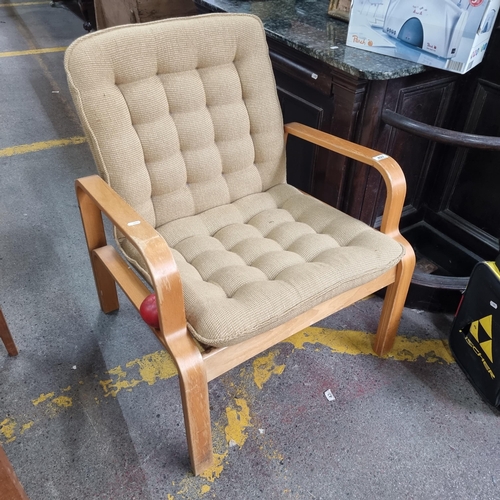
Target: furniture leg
{"x":96,"y":238}
{"x":88,"y":13}
{"x":194,"y":394}
{"x":10,"y":487}
{"x":6,"y":336}
{"x":394,"y":302}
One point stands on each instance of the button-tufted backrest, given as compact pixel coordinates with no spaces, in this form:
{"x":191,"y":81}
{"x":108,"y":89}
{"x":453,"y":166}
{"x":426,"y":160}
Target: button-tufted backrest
{"x":181,"y":114}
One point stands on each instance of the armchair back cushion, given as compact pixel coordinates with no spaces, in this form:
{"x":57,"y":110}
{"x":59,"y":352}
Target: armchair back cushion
{"x":184,"y":122}
{"x":196,"y":122}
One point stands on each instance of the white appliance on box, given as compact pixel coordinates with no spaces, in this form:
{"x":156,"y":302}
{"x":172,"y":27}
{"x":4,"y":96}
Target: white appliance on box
{"x":433,"y":26}
{"x":446,"y":34}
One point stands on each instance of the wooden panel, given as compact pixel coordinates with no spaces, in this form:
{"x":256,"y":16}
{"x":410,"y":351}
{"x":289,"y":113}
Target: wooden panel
{"x":116,"y":12}
{"x":152,"y":10}
{"x":301,"y":157}
{"x":428,"y":99}
{"x":334,"y":175}
{"x":304,"y":90}
{"x":301,"y":68}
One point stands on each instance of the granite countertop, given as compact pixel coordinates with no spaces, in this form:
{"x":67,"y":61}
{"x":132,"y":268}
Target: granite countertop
{"x":306,"y":26}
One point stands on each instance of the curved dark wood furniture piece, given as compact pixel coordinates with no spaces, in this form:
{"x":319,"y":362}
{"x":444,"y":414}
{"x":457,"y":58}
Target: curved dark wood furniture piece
{"x":438,"y":134}
{"x":445,"y":289}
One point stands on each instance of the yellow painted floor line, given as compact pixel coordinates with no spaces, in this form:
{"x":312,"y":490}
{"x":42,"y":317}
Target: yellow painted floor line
{"x":151,"y":368}
{"x":40,"y":146}
{"x":31,"y":52}
{"x":353,"y":343}
{"x":19,"y":4}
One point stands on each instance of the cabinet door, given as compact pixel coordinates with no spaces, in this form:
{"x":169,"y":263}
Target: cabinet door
{"x":301,"y":156}
{"x":304,"y":90}
{"x":426,"y":98}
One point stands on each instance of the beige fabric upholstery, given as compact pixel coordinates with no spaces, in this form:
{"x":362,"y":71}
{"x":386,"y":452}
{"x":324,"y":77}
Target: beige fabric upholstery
{"x":184,"y":123}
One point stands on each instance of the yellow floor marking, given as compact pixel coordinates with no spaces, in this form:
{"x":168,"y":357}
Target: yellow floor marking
{"x":63,"y":401}
{"x":14,"y":4}
{"x":32,"y":52}
{"x":205,"y":489}
{"x":42,"y":398}
{"x":354,"y":343}
{"x":8,"y":429}
{"x":150,"y":369}
{"x":264,"y":367}
{"x":40,"y":146}
{"x":26,"y":426}
{"x":158,"y":366}
{"x":216,"y":469}
{"x":237,"y":423}
{"x":232,"y":429}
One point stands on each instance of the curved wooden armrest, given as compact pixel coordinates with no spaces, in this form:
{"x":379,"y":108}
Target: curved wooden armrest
{"x":152,"y":247}
{"x":388,"y":167}
{"x":439,"y":134}
{"x":95,"y":198}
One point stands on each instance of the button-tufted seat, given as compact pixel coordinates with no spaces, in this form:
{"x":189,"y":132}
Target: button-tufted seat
{"x":251,"y":265}
{"x":184,"y":124}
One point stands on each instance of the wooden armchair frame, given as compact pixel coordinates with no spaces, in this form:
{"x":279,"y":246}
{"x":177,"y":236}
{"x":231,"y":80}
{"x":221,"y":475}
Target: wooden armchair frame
{"x":197,"y":366}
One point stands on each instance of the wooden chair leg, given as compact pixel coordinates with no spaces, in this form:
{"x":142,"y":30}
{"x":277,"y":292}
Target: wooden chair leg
{"x":95,"y":236}
{"x":195,"y":404}
{"x":194,"y":395}
{"x":6,"y":336}
{"x":394,"y":302}
{"x":10,"y":487}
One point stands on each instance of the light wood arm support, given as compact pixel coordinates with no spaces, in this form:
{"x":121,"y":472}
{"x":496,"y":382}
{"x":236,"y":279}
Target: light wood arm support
{"x":388,"y":167}
{"x":152,"y":247}
{"x":396,"y":191}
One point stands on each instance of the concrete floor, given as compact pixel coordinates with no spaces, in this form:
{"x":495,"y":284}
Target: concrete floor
{"x":90,"y":408}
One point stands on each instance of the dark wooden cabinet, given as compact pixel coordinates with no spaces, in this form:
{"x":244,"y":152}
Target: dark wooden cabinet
{"x":451,"y":208}
{"x":464,"y":202}
{"x":350,"y":107}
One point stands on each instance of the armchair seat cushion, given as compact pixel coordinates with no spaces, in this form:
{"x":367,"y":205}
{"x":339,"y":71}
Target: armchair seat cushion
{"x":251,"y":265}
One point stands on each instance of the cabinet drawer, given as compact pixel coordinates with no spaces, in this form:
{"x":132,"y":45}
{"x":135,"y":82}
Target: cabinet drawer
{"x":303,"y":71}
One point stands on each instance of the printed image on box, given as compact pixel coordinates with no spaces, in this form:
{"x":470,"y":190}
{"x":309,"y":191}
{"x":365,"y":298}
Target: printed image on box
{"x":446,"y":34}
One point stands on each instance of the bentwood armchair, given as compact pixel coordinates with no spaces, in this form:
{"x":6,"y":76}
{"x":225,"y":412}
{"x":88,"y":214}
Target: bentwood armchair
{"x":185,"y":127}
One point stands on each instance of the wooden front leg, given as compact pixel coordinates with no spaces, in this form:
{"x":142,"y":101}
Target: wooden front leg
{"x":394,"y":301}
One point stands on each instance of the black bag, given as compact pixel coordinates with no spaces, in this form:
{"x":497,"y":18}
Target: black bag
{"x":475,"y":333}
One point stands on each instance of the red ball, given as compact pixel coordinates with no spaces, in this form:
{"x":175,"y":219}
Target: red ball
{"x":149,"y":311}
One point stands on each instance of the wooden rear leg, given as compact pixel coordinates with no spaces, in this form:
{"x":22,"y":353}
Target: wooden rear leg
{"x":6,"y":336}
{"x":95,"y":236}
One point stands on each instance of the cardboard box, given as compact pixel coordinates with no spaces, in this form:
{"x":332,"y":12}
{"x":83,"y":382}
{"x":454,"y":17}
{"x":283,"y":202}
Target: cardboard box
{"x":446,"y":34}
